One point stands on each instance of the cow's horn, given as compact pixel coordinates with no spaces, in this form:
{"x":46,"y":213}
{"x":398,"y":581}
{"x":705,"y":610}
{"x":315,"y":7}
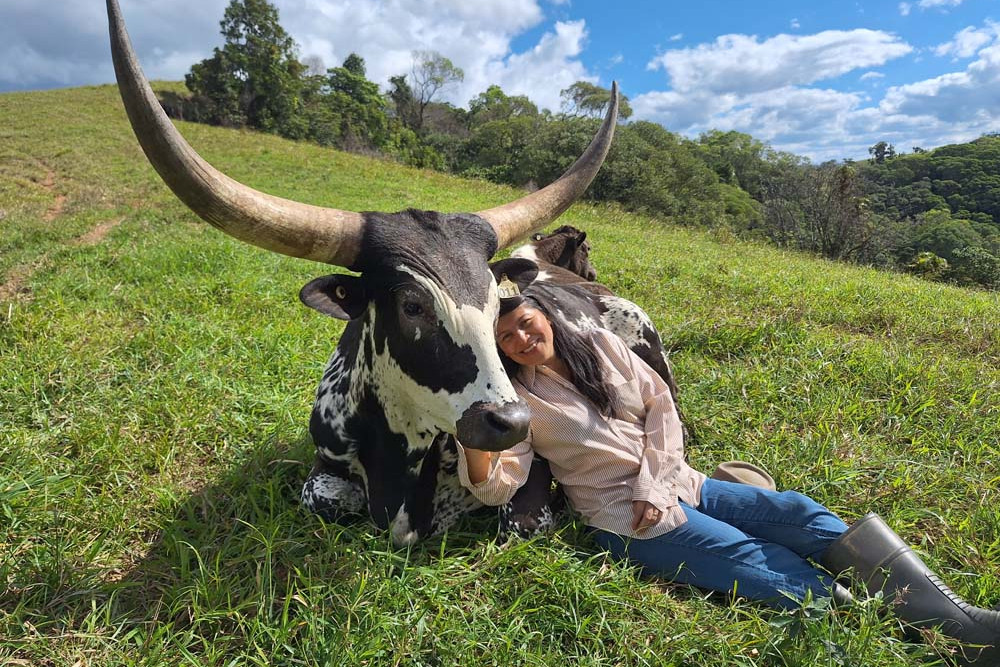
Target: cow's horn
{"x":521,"y":217}
{"x":300,"y":230}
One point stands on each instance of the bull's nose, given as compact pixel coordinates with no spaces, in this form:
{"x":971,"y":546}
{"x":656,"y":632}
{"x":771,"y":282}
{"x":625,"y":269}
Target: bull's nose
{"x":493,"y":428}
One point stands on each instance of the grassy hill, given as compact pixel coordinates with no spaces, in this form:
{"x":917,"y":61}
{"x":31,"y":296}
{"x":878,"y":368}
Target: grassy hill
{"x":156,"y":379}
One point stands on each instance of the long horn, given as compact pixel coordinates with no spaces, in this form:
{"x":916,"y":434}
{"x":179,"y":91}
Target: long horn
{"x":523,"y":216}
{"x":300,"y":230}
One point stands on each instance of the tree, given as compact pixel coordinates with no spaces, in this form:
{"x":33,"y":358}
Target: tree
{"x":587,"y":99}
{"x":881,"y":152}
{"x":823,"y":209}
{"x":403,"y":100}
{"x":939,"y":233}
{"x":493,"y":104}
{"x":737,"y":159}
{"x":430,"y":75}
{"x":928,"y":265}
{"x":255,"y":78}
{"x":976,"y":265}
{"x":360,"y":106}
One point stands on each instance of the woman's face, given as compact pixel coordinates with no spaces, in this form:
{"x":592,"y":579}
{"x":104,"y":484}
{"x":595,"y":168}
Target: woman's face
{"x":524,"y":335}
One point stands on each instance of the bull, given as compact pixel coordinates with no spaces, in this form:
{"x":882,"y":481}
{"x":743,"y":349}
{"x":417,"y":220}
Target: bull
{"x":416,"y":366}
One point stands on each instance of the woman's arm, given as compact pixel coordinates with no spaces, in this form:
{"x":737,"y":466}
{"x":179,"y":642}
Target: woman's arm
{"x":663,"y":455}
{"x":494,"y":478}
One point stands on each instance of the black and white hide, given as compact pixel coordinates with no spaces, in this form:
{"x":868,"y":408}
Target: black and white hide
{"x":416,"y":356}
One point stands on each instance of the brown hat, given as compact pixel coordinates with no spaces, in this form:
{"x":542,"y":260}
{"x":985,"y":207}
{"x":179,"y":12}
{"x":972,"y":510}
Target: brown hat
{"x":742,"y":472}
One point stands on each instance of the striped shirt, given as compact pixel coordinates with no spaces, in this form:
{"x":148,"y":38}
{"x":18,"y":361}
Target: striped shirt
{"x":603,"y":463}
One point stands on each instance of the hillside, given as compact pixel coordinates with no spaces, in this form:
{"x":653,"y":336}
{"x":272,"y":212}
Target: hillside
{"x":156,"y":379}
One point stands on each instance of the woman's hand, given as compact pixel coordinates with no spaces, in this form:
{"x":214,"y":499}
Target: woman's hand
{"x":479,"y":463}
{"x":644,"y":515}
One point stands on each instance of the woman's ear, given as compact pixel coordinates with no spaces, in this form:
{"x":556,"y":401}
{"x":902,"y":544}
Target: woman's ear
{"x":339,"y":296}
{"x":520,"y":271}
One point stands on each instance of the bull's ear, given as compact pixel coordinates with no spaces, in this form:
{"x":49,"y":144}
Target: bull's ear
{"x":581,"y":238}
{"x":339,"y":296}
{"x":521,"y":271}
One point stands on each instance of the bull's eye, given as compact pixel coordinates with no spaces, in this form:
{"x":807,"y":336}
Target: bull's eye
{"x":536,"y":237}
{"x":412,"y":309}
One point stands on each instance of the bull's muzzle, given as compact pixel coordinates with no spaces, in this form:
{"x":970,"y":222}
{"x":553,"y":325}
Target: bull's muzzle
{"x":494,"y":428}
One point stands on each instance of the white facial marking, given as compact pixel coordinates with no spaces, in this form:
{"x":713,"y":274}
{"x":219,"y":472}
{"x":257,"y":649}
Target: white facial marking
{"x":402,"y":533}
{"x":415,"y":411}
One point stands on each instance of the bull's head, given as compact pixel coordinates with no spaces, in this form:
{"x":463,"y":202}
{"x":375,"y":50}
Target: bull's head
{"x":425,"y":294}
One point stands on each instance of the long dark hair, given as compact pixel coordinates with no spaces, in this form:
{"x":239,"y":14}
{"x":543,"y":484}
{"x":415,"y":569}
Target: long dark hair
{"x":577,"y":353}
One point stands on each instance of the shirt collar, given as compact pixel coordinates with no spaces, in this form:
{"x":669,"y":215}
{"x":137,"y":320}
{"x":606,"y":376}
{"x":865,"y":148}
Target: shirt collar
{"x":526,"y":374}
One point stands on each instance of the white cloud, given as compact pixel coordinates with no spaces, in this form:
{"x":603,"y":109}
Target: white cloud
{"x":63,"y":42}
{"x":781,"y":114}
{"x":476,"y":36}
{"x":966,"y":97}
{"x":768,"y":88}
{"x":795,"y":24}
{"x":386,"y":33}
{"x":742,"y":64}
{"x":906,"y":7}
{"x":929,"y":4}
{"x":969,"y":40}
{"x":50,"y":44}
{"x":539,"y":73}
{"x":678,"y":37}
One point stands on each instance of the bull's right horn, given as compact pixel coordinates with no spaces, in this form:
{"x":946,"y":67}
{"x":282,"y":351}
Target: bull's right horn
{"x":291,"y":228}
{"x":521,"y":217}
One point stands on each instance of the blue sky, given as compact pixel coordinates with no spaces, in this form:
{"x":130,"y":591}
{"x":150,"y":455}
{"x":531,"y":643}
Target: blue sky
{"x":820,"y":79}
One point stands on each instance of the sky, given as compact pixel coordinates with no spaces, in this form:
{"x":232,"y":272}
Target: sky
{"x":825,"y":80}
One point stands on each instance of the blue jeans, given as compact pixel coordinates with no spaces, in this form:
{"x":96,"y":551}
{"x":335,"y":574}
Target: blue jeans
{"x":740,"y":538}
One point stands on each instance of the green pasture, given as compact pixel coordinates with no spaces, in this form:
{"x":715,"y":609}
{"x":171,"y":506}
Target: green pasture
{"x":156,"y":379}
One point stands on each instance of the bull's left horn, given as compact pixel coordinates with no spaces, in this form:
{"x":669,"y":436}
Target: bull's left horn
{"x":291,"y":228}
{"x":521,"y":217}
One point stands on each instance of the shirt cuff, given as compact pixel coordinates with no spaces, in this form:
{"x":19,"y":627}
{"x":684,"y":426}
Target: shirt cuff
{"x":463,"y":469}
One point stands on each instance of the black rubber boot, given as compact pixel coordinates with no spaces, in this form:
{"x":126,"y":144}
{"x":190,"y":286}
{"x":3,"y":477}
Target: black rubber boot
{"x":881,"y":560}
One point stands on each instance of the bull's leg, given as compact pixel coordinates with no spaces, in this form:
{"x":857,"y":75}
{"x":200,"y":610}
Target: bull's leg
{"x":532,"y":510}
{"x":330,"y":492}
{"x":451,"y":499}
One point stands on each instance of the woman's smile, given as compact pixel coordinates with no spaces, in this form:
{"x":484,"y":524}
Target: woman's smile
{"x":524,"y":335}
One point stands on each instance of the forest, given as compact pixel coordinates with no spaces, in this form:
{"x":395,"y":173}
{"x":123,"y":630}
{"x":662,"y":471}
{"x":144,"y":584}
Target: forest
{"x":934,"y":213}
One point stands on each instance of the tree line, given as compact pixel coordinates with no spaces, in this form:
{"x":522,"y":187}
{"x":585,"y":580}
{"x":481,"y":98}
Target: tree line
{"x":933,"y":213}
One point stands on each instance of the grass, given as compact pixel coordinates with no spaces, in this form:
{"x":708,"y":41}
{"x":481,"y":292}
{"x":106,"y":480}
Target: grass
{"x":156,"y":379}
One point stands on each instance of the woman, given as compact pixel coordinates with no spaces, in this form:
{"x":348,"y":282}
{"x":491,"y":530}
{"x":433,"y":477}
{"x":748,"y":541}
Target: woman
{"x":607,"y":425}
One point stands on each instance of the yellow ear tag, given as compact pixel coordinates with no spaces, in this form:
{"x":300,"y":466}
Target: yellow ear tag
{"x":506,"y":288}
